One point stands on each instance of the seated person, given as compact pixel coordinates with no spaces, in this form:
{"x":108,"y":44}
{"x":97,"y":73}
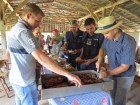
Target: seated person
{"x":56,"y":38}
{"x":60,"y":48}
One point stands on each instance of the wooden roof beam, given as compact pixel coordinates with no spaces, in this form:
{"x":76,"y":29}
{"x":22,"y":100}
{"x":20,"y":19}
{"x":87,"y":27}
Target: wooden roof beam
{"x":136,"y":2}
{"x":9,"y":6}
{"x":127,"y":27}
{"x":61,"y":16}
{"x":16,"y":10}
{"x":112,"y":10}
{"x":73,"y":2}
{"x":62,"y":5}
{"x":44,"y":1}
{"x":61,"y":13}
{"x":127,"y":19}
{"x":5,"y":7}
{"x":64,"y":12}
{"x":2,"y":11}
{"x":128,"y":12}
{"x":108,"y":6}
{"x":63,"y":9}
{"x":83,"y":5}
{"x":103,"y":12}
{"x":92,"y":14}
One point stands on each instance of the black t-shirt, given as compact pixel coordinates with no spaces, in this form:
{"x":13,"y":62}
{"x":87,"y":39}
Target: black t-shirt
{"x":91,"y":45}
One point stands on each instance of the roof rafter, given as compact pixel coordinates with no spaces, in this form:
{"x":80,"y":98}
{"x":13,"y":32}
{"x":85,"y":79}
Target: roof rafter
{"x":127,"y":27}
{"x":93,"y":15}
{"x":84,"y":6}
{"x":127,"y":19}
{"x":16,"y":10}
{"x":136,"y":2}
{"x":5,"y":7}
{"x":9,"y":6}
{"x":62,"y":5}
{"x":128,"y":12}
{"x":108,"y":6}
{"x":103,"y":12}
{"x":112,"y":10}
{"x":76,"y":3}
{"x":63,"y":9}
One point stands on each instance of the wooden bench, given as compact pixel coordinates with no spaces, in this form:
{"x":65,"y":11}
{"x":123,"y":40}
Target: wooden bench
{"x":3,"y":76}
{"x":3,"y":83}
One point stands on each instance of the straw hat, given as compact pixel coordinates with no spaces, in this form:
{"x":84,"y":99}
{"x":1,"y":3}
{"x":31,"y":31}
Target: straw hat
{"x":107,"y":24}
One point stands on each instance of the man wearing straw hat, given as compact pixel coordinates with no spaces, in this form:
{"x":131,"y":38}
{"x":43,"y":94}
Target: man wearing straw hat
{"x":120,"y":49}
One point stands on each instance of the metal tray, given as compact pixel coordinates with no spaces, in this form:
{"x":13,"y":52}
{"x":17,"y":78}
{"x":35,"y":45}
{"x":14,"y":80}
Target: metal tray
{"x":73,"y":90}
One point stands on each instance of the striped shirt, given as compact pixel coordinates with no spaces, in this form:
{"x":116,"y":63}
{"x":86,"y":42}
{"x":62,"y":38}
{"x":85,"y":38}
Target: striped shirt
{"x":20,"y":44}
{"x":120,"y":52}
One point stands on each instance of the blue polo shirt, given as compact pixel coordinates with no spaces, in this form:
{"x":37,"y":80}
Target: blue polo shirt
{"x":74,"y":42}
{"x":20,"y":44}
{"x":120,"y":52}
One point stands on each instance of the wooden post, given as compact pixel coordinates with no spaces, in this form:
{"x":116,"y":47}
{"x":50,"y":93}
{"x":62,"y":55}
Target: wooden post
{"x":3,"y":35}
{"x":2,"y":27}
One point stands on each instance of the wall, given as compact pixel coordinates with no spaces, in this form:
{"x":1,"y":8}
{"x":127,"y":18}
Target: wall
{"x":136,"y":35}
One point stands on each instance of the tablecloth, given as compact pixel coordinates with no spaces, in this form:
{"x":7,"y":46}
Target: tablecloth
{"x":93,"y":98}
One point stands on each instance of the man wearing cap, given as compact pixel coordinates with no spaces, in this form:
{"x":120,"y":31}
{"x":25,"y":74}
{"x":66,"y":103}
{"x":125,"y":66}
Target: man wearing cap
{"x":91,"y":45}
{"x":73,"y":42}
{"x":55,"y":40}
{"x":120,"y":49}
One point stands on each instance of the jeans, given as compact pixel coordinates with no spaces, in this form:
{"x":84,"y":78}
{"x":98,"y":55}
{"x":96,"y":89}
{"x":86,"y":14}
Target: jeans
{"x":25,"y":95}
{"x":91,"y":66}
{"x":121,"y":87}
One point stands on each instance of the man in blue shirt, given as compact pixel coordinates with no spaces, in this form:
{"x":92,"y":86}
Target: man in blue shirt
{"x":120,"y":50}
{"x":73,"y":42}
{"x":91,"y":45}
{"x":23,"y":50}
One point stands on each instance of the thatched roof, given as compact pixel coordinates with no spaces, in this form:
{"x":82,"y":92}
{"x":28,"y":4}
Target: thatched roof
{"x":62,"y":11}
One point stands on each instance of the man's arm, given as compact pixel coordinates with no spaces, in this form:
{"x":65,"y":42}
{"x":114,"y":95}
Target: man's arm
{"x":51,"y":65}
{"x":89,"y":61}
{"x":100,"y":57}
{"x":118,"y":70}
{"x":80,"y":57}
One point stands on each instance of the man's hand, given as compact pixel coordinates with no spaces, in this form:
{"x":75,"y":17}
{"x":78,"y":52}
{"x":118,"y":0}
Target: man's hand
{"x":75,"y":79}
{"x":103,"y":74}
{"x":98,"y":65}
{"x":75,"y":51}
{"x":78,"y":59}
{"x":87,"y":62}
